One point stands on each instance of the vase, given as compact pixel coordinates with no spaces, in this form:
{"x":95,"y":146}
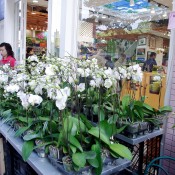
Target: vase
{"x":132,"y":130}
{"x":143,"y":127}
{"x":67,"y":163}
{"x":55,"y":153}
{"x":40,"y":150}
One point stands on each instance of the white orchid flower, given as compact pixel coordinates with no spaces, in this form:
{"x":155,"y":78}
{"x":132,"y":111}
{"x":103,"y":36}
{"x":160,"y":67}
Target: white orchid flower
{"x":81,"y":87}
{"x":34,"y":99}
{"x":108,"y":83}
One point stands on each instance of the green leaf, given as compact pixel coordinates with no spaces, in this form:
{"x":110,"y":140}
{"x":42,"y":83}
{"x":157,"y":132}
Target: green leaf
{"x":87,"y":123}
{"x":106,"y":130}
{"x":93,"y":162}
{"x":75,"y":142}
{"x":53,"y":126}
{"x":121,"y":150}
{"x":126,"y":101}
{"x":113,"y":119}
{"x":21,"y":131}
{"x":73,"y":148}
{"x":102,"y":114}
{"x":108,"y":106}
{"x":165,"y":109}
{"x":27,"y":149}
{"x":24,"y":119}
{"x":79,"y":159}
{"x":31,"y":136}
{"x":90,"y":154}
{"x":95,"y":109}
{"x":96,"y":147}
{"x":148,"y":107}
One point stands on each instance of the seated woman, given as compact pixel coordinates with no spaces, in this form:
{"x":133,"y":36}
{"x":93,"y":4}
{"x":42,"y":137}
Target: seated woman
{"x":7,"y":55}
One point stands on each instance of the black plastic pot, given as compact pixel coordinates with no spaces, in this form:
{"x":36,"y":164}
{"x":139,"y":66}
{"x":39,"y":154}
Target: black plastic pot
{"x":143,"y":127}
{"x":132,"y":130}
{"x":55,"y":152}
{"x":41,"y":150}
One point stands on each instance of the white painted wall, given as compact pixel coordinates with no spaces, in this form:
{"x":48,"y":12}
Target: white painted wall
{"x":1,"y":31}
{"x":69,"y":28}
{"x":54,"y":18}
{"x":9,"y":14}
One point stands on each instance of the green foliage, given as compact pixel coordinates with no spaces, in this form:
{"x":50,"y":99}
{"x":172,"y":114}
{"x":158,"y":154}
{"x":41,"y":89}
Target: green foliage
{"x":27,"y":149}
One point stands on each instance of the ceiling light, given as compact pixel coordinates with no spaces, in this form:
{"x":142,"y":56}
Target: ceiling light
{"x":104,"y":16}
{"x":165,"y":14}
{"x":132,"y":3}
{"x":33,"y":12}
{"x":35,"y":1}
{"x":152,"y":10}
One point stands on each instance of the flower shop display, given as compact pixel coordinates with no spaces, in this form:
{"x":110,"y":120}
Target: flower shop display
{"x":70,"y":109}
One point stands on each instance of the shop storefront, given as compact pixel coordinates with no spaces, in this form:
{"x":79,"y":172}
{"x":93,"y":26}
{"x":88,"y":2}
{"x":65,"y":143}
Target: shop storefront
{"x":118,"y":34}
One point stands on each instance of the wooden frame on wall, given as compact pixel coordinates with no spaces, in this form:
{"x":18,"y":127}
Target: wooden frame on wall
{"x":142,"y":41}
{"x":152,"y":42}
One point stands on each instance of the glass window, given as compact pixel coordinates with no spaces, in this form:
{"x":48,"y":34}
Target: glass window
{"x":113,"y":31}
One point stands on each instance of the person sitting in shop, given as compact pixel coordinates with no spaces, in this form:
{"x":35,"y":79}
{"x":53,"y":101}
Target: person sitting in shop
{"x":109,"y":62}
{"x":149,"y":63}
{"x":29,"y":52}
{"x":7,"y":55}
{"x":101,"y":61}
{"x":121,"y":61}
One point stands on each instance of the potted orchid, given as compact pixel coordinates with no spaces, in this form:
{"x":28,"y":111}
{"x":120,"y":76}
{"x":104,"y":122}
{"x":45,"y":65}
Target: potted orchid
{"x":43,"y":97}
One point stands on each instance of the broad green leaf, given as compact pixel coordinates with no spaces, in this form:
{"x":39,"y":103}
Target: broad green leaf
{"x":53,"y":126}
{"x":126,"y":101}
{"x":120,"y":129}
{"x":96,"y":147}
{"x":21,"y":131}
{"x":93,"y":162}
{"x":102,"y":114}
{"x":31,"y":136}
{"x":72,"y":123}
{"x":73,"y":148}
{"x":27,"y":149}
{"x":148,"y":107}
{"x":121,"y":150}
{"x":90,"y":154}
{"x":95,"y":109}
{"x":75,"y":142}
{"x":108,"y":106}
{"x":113,"y":119}
{"x":86,"y":121}
{"x":24,"y":119}
{"x":165,"y":109}
{"x":79,"y":159}
{"x":106,"y":130}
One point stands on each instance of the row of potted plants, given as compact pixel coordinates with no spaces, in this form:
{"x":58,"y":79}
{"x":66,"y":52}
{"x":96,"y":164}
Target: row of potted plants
{"x":52,"y":106}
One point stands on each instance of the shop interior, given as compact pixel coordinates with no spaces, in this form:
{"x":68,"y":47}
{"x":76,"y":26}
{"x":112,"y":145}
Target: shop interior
{"x":37,"y":21}
{"x":130,"y":28}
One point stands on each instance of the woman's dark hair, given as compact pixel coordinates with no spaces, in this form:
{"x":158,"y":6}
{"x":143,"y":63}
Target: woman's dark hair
{"x":108,"y":57}
{"x":152,"y":54}
{"x":8,"y":48}
{"x":29,"y":49}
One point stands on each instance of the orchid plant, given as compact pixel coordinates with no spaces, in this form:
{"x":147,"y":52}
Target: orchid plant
{"x":49,"y":100}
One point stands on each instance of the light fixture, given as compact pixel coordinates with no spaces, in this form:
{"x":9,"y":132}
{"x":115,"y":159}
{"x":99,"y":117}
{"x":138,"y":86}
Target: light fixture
{"x":165,"y":14}
{"x":35,"y":1}
{"x":152,"y":10}
{"x":132,"y":3}
{"x":33,"y":12}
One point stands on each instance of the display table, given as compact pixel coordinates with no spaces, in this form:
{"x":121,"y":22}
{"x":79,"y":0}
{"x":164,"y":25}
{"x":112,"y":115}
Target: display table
{"x":149,"y":147}
{"x":42,"y":166}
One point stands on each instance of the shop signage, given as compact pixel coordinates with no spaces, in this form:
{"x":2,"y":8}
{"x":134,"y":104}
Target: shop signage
{"x":171,"y":24}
